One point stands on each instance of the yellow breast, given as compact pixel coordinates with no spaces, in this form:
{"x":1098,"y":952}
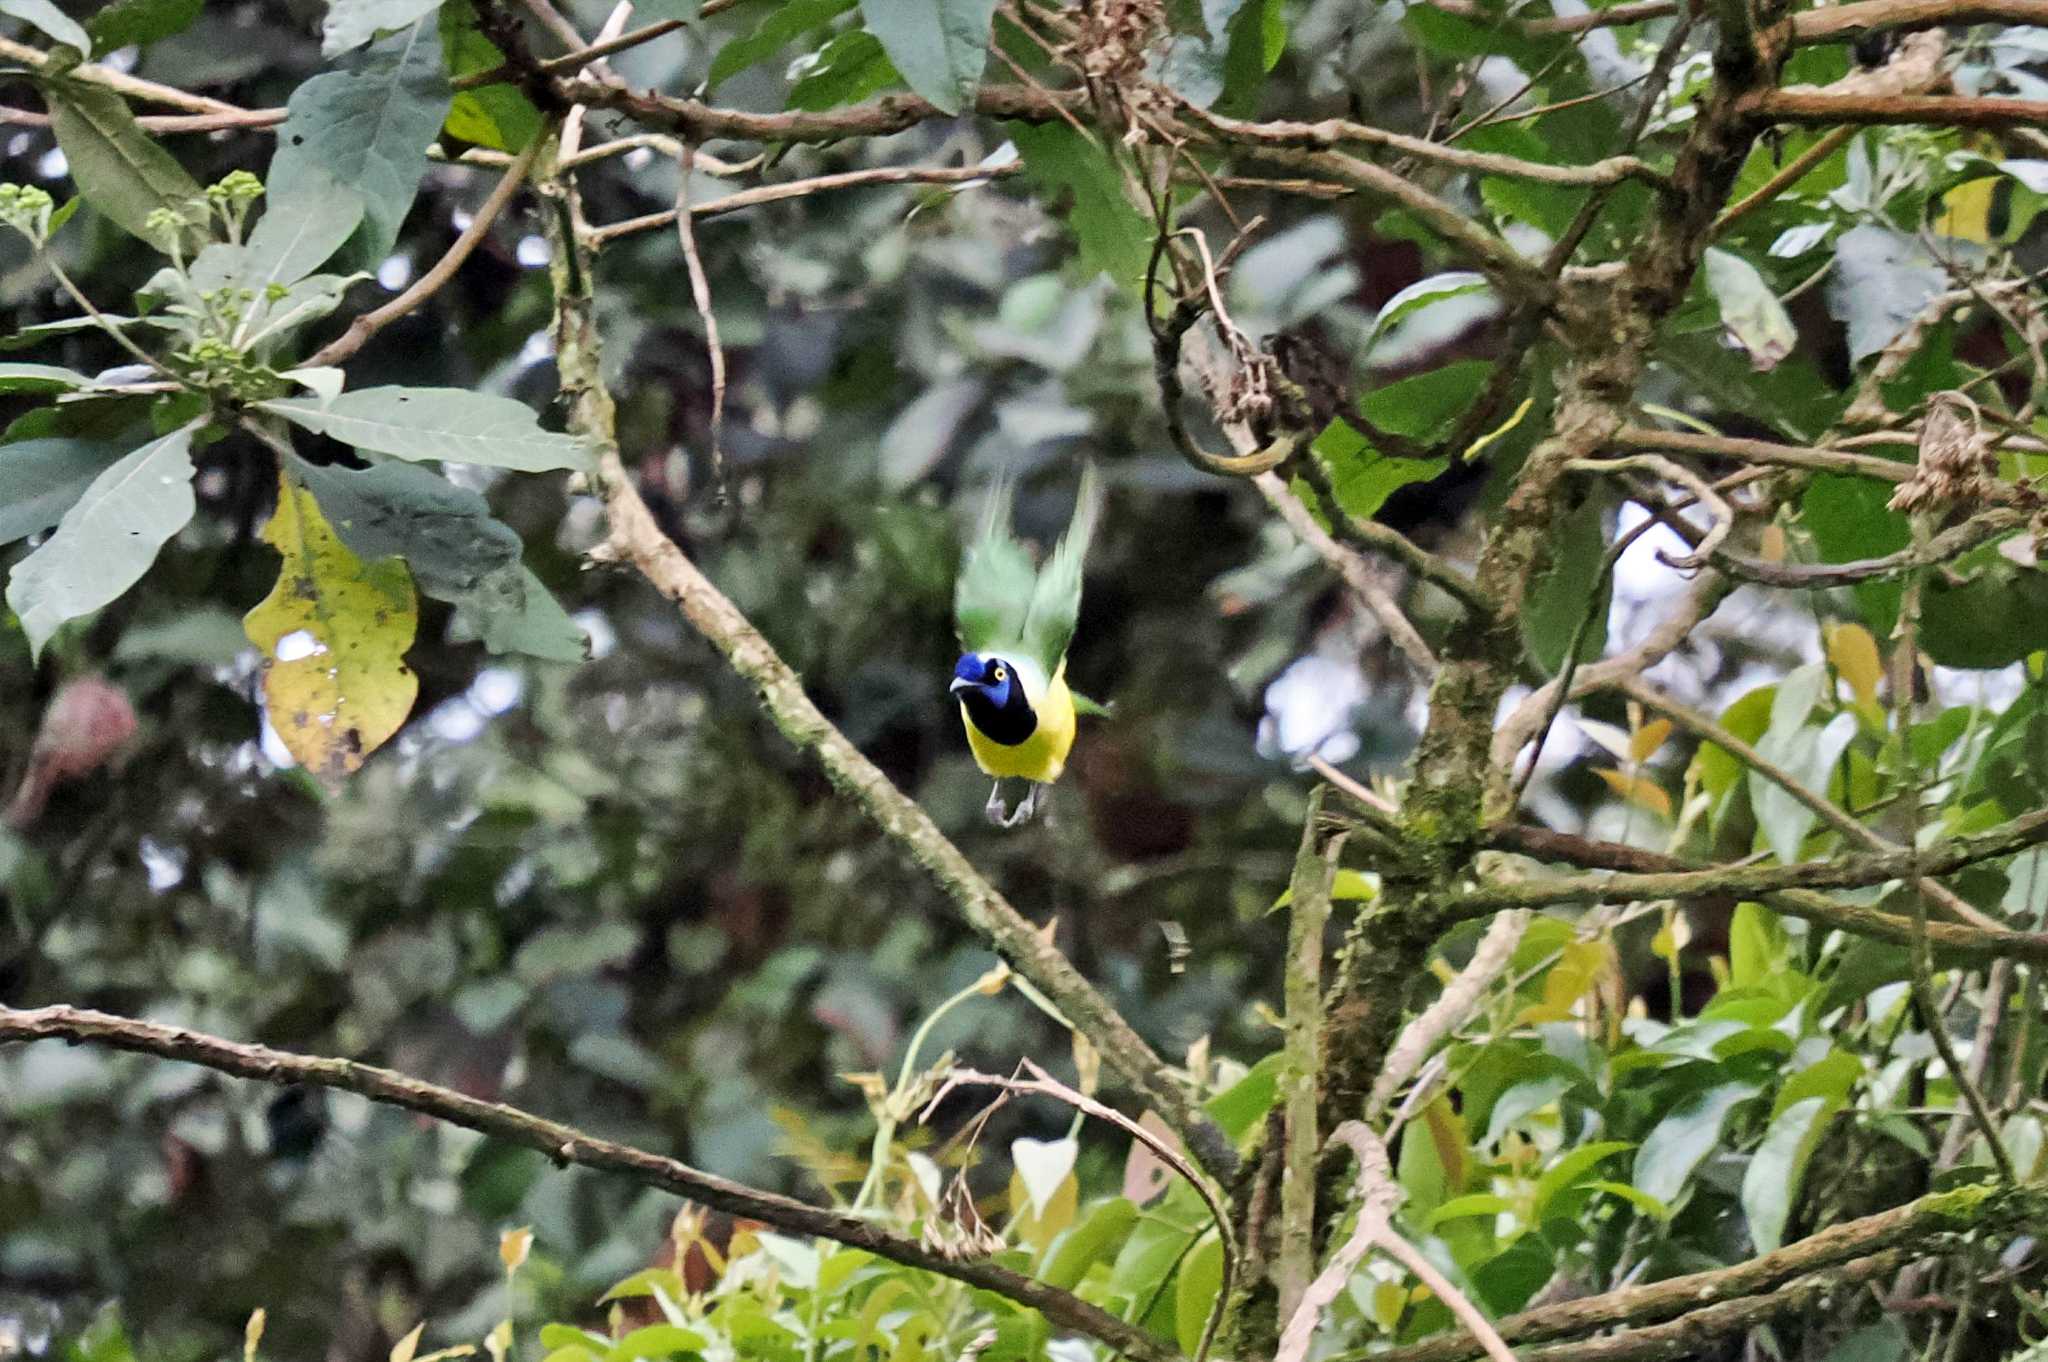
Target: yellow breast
{"x":1043,"y":755}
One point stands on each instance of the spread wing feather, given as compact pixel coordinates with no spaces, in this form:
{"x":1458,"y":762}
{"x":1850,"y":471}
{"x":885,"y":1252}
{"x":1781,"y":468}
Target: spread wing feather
{"x":1056,"y":597}
{"x":992,"y":597}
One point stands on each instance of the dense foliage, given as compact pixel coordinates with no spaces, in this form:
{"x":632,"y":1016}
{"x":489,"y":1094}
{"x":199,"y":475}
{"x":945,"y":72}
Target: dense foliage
{"x":346,"y":708}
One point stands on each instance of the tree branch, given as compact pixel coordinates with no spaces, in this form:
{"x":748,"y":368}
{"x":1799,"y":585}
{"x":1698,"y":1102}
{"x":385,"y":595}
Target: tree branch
{"x":1842,"y":872}
{"x":1942,"y":1222}
{"x":564,"y":1144}
{"x":1955,"y":111}
{"x":1315,"y":869}
{"x":1351,"y":568}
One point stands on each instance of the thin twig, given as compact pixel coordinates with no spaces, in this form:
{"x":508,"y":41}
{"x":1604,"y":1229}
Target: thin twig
{"x":700,"y":294}
{"x":796,"y":189}
{"x":435,"y":279}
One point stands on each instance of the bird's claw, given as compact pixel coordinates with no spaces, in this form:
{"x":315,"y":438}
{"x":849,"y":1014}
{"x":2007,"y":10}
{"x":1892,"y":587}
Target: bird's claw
{"x":1021,"y":814}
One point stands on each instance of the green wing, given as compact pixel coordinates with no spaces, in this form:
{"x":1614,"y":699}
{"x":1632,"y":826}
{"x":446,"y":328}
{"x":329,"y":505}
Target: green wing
{"x":992,"y":597}
{"x":1056,"y":598}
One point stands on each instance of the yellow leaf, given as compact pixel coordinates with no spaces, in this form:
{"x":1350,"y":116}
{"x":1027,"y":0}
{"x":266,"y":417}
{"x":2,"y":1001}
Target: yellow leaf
{"x":513,"y":1246}
{"x":403,"y":1350}
{"x":1966,"y":210}
{"x":1854,"y":654}
{"x":498,"y":1342}
{"x":252,"y":1333}
{"x":1640,"y":791}
{"x":1644,"y":742}
{"x":1771,"y":546}
{"x":333,"y":631}
{"x":1389,"y":1299}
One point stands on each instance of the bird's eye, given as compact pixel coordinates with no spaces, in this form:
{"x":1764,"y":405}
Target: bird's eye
{"x":997,"y":673}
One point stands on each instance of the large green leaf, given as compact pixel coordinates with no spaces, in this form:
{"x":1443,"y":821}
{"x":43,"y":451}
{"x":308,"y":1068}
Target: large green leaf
{"x":1993,"y":619}
{"x":1677,"y":1143}
{"x":438,"y":423}
{"x":366,"y":127}
{"x":1195,"y":1289}
{"x":1799,"y":1122}
{"x":108,"y":539}
{"x":51,"y":20}
{"x":351,"y":23}
{"x":1114,"y":237}
{"x":939,"y":46}
{"x":1849,"y":520}
{"x":848,"y":69}
{"x":457,"y":550}
{"x":42,"y":378}
{"x":116,"y":165}
{"x":1361,"y":476}
{"x":42,"y":479}
{"x":299,"y":230}
{"x":135,"y":23}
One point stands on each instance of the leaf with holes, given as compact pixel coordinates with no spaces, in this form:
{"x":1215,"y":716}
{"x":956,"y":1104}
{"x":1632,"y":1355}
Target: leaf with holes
{"x":437,"y":423}
{"x":365,"y":127}
{"x":333,"y":633}
{"x":457,"y":550}
{"x":118,"y":168}
{"x":108,"y":538}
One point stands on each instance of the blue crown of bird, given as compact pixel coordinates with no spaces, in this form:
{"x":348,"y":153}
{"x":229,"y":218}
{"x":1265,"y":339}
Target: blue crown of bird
{"x":1015,"y":622}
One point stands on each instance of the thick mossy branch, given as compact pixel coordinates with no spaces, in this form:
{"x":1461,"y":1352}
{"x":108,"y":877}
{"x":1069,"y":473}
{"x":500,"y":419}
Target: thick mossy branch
{"x":637,"y":539}
{"x":565,"y":1145}
{"x":1943,"y":1222}
{"x":1315,"y":870}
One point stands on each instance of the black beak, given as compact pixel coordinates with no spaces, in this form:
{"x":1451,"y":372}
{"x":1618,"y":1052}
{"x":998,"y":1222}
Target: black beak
{"x":960,"y":683}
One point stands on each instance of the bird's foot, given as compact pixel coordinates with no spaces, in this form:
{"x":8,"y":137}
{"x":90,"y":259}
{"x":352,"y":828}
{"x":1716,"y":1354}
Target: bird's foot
{"x":1012,"y":818}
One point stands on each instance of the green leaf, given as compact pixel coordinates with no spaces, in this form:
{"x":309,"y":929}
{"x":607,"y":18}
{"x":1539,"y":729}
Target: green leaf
{"x":1758,"y":946}
{"x":656,"y":1342}
{"x":783,"y":24}
{"x":51,"y":20}
{"x":1089,"y":1242}
{"x":1195,"y":1290}
{"x":298,"y":231}
{"x":108,"y":539}
{"x":1568,"y":589}
{"x":1995,"y":617}
{"x":1427,"y":406}
{"x":365,"y":127}
{"x":1114,"y":237}
{"x":118,"y":168}
{"x":333,"y":632}
{"x":1245,"y":1103}
{"x":939,"y":46}
{"x":438,"y":423}
{"x":1750,"y":311}
{"x":137,"y":23}
{"x":42,"y":479}
{"x":1805,"y":750}
{"x":1849,"y":520}
{"x":496,"y":116}
{"x":1884,"y":1341}
{"x":457,"y":551}
{"x":1771,"y":1182}
{"x":1569,"y":1168}
{"x":351,"y":23}
{"x":848,"y":69}
{"x":1424,"y":293}
{"x":1686,"y":1135}
{"x":1361,"y":476}
{"x":42,"y":378}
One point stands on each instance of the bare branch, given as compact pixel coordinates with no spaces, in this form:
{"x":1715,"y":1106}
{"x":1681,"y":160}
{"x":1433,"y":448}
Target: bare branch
{"x":796,"y":189}
{"x":564,"y":1144}
{"x":1954,"y":111}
